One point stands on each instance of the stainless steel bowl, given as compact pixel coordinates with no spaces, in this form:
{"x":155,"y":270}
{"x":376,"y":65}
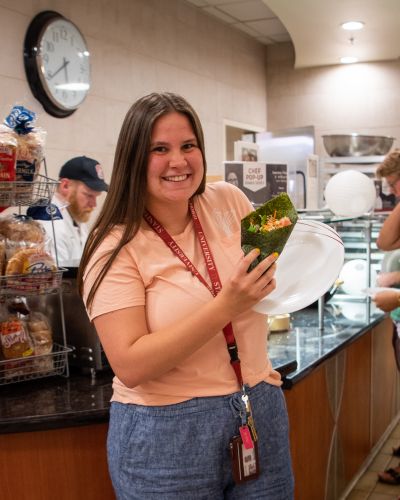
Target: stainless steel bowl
{"x":357,"y":144}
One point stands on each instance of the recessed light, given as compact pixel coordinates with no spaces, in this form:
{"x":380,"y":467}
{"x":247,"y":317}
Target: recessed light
{"x":348,"y":60}
{"x":353,"y":25}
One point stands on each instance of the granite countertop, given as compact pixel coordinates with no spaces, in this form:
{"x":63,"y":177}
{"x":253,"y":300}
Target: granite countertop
{"x":57,"y":402}
{"x":344,"y":321}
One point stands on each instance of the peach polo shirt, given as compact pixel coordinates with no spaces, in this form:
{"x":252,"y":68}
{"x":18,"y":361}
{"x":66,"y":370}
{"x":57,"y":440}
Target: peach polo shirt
{"x":146,"y":272}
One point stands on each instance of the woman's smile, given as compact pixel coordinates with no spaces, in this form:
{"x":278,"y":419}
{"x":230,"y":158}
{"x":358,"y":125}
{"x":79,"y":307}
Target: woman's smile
{"x":176,"y":178}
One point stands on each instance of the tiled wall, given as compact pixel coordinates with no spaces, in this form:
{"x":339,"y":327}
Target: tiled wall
{"x":362,"y":98}
{"x":139,"y":46}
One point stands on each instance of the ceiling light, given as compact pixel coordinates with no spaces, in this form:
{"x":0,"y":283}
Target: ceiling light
{"x":348,"y":60}
{"x":352,"y":25}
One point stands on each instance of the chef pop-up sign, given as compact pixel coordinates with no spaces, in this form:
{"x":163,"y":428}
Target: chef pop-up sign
{"x":258,"y":180}
{"x":254,"y":176}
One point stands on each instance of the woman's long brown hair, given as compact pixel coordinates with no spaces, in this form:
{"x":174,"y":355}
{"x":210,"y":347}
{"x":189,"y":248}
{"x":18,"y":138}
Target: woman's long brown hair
{"x":126,"y":198}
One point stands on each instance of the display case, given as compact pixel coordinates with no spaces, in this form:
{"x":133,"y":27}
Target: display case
{"x":359,"y":238}
{"x":31,"y":287}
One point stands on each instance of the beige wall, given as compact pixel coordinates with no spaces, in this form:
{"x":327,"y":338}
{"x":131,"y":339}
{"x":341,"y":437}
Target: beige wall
{"x":139,"y":46}
{"x":363,"y":98}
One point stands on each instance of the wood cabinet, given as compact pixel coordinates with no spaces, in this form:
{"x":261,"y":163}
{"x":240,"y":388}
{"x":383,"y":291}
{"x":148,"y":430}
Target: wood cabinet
{"x":340,"y":411}
{"x":62,"y":464}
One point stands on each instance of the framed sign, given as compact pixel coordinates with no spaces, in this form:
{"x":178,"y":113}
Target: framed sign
{"x":245,"y":151}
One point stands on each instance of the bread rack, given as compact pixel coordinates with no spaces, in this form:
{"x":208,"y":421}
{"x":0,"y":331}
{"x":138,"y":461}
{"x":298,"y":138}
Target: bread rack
{"x":19,"y":194}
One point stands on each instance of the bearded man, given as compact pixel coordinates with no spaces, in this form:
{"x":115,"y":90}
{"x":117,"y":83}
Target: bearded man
{"x":81,"y":183}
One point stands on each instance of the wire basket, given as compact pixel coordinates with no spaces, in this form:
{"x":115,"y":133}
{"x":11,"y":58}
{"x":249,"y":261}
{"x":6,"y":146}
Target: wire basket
{"x":23,"y":193}
{"x":34,"y":283}
{"x":37,"y":366}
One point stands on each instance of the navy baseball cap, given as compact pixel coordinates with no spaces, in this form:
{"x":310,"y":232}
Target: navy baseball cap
{"x":86,"y":170}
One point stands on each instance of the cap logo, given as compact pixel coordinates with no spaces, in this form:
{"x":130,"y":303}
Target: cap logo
{"x":99,"y":171}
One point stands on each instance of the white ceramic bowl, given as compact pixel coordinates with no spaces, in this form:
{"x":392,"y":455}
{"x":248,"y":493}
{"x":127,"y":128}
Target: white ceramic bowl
{"x":354,"y":277}
{"x":350,"y":194}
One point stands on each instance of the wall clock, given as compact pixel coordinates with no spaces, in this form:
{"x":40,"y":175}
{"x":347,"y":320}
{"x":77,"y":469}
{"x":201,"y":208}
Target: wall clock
{"x":57,"y":63}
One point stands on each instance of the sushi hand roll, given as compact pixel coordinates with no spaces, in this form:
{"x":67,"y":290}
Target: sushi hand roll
{"x":269,"y":227}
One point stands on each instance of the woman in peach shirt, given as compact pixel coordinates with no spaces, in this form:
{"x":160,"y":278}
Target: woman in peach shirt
{"x":197,"y":411}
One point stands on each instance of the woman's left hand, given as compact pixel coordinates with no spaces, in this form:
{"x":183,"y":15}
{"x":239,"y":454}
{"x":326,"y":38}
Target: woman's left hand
{"x":388,"y":300}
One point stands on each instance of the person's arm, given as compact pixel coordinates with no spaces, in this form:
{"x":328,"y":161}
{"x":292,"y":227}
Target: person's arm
{"x":388,"y":300}
{"x":389,"y":235}
{"x":137,"y":357}
{"x":388,"y":279}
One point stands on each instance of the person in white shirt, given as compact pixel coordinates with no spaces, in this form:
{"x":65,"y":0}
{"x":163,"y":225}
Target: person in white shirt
{"x":81,"y":183}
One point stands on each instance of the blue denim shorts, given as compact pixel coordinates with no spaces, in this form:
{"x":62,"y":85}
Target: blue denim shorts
{"x":181,"y":451}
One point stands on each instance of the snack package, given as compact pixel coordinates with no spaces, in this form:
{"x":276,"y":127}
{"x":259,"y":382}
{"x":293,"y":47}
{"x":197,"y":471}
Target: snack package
{"x":30,"y":143}
{"x":15,"y":341}
{"x":269,"y":227}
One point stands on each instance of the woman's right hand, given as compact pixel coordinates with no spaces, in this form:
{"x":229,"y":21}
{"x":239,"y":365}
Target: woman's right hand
{"x":245,"y":289}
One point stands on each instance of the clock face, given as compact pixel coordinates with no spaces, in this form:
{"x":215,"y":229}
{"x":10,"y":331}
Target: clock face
{"x":64,"y":64}
{"x":57,"y":63}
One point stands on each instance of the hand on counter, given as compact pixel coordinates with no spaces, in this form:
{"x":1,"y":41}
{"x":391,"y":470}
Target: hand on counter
{"x":387,"y":300}
{"x":388,"y":279}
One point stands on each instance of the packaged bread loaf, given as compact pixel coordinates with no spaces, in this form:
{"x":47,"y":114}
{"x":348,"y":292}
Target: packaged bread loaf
{"x":8,"y":156}
{"x":15,"y":341}
{"x":42,"y":339}
{"x":30,"y":261}
{"x":8,"y":159}
{"x":30,"y":144}
{"x":20,"y":232}
{"x":31,"y":270}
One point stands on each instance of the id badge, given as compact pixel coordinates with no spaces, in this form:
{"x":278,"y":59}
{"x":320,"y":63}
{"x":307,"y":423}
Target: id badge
{"x":245,"y":464}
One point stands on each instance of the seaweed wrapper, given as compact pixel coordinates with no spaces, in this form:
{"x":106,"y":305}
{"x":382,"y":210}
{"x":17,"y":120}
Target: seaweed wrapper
{"x":272,"y":241}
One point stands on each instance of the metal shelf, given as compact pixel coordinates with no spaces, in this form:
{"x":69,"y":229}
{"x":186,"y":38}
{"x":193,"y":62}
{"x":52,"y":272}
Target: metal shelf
{"x":38,"y":192}
{"x":37,"y":366}
{"x":362,"y":160}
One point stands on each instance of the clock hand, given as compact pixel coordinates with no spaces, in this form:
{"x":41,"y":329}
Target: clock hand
{"x":63,"y":65}
{"x":66,"y":70}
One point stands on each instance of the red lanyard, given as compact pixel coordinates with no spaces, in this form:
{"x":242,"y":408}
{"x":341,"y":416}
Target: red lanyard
{"x":216,"y":285}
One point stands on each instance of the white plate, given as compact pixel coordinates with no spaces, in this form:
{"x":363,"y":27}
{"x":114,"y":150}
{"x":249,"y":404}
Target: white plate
{"x":307,"y":268}
{"x":391,"y":261}
{"x":372,"y":291}
{"x":313,"y":226}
